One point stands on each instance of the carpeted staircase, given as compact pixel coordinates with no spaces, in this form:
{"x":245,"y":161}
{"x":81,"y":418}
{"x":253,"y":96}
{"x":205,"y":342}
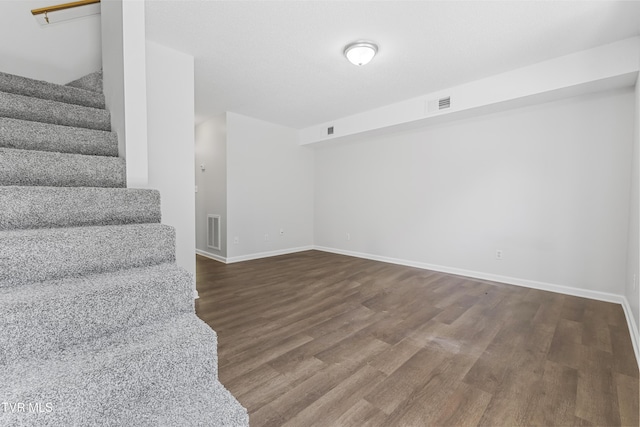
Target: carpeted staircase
{"x":97,"y":323}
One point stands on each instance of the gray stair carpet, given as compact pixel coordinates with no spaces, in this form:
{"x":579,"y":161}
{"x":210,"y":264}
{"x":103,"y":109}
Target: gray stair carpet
{"x":48,"y":207}
{"x":54,"y":112}
{"x":113,"y":373}
{"x":98,"y":323}
{"x":28,"y":135}
{"x":45,"y":168}
{"x":44,"y":90}
{"x":101,"y":304}
{"x":92,"y":82}
{"x":35,"y":255}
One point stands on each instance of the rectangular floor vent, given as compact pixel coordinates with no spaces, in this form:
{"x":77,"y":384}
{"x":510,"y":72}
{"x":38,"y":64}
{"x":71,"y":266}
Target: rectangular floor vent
{"x":213,"y":231}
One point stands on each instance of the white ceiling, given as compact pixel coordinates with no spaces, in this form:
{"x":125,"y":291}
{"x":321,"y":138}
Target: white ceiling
{"x":282,"y":61}
{"x":58,"y":53}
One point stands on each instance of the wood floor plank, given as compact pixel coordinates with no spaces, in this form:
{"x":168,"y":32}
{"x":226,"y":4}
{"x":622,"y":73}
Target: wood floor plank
{"x":412,"y":375}
{"x":627,"y":392}
{"x":597,"y":395}
{"x":338,"y":400}
{"x":554,"y":399}
{"x":621,"y":345}
{"x":288,"y":405}
{"x":361,"y":414}
{"x":320,"y":339}
{"x":464,"y":408}
{"x":395,"y":356}
{"x":436,"y":391}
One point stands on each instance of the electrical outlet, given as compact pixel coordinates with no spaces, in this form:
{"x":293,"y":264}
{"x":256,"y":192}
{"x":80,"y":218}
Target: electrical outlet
{"x":348,"y":236}
{"x":236,"y":240}
{"x":499,"y":254}
{"x":266,"y":237}
{"x":282,"y":232}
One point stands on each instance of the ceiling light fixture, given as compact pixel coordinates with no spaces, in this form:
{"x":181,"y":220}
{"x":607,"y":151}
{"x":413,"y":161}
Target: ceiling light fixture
{"x":360,"y":52}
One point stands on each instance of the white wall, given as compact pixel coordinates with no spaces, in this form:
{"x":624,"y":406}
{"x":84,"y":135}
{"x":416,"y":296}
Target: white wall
{"x":269,"y":187}
{"x":211,"y":198}
{"x":633,"y":260}
{"x":546,"y":184}
{"x":57,"y":53}
{"x":123,"y":53}
{"x":170,"y":103}
{"x":113,"y":67}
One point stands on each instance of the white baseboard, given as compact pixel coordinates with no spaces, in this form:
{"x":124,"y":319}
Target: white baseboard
{"x":633,"y":329}
{"x":211,"y":256}
{"x":567,"y":290}
{"x":249,"y":257}
{"x":259,"y":255}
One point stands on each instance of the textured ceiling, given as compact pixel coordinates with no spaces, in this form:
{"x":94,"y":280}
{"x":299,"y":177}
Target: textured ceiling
{"x":282,"y":61}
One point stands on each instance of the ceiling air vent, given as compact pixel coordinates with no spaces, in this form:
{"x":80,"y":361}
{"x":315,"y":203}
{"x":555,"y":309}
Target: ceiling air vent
{"x":438,"y":104}
{"x":444,"y":103}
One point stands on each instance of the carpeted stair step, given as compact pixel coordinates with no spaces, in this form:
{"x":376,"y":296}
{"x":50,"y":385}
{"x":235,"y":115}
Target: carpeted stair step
{"x":29,"y":168}
{"x":27,"y":135}
{"x":91,"y":82}
{"x":36,"y":255}
{"x":46,"y":207}
{"x":124,"y":379}
{"x":54,"y":112}
{"x":18,"y":85}
{"x":79,"y":309}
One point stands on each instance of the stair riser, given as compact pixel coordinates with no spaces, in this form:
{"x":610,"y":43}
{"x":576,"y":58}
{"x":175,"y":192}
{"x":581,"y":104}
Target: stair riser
{"x":26,"y":135}
{"x":81,"y":309}
{"x":59,"y":113}
{"x":37,"y":168}
{"x":39,"y":89}
{"x":37,"y":255}
{"x":46,"y":207}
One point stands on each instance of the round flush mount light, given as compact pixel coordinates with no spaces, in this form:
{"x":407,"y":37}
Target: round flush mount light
{"x":360,"y":52}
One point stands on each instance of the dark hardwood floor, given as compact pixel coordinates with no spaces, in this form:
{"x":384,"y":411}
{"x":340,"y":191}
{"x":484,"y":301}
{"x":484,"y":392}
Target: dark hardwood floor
{"x":328,"y":340}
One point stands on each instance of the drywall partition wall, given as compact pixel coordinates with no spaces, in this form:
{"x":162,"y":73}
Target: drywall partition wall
{"x":269,"y":189}
{"x":548,"y":185}
{"x":123,"y":58}
{"x":211,"y":182}
{"x":171,"y":143}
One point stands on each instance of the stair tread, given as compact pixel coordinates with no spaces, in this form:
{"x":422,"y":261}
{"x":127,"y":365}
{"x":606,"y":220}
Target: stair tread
{"x":91,"y":82}
{"x":180,"y":328}
{"x":41,"y":168}
{"x":35,"y":255}
{"x":54,"y":112}
{"x":77,"y":309}
{"x":12,"y":83}
{"x":45,"y":207}
{"x":29,"y":135}
{"x":123,"y":378}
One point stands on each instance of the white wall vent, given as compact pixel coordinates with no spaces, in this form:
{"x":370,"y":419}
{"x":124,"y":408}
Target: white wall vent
{"x":438,"y":104}
{"x":213,"y":231}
